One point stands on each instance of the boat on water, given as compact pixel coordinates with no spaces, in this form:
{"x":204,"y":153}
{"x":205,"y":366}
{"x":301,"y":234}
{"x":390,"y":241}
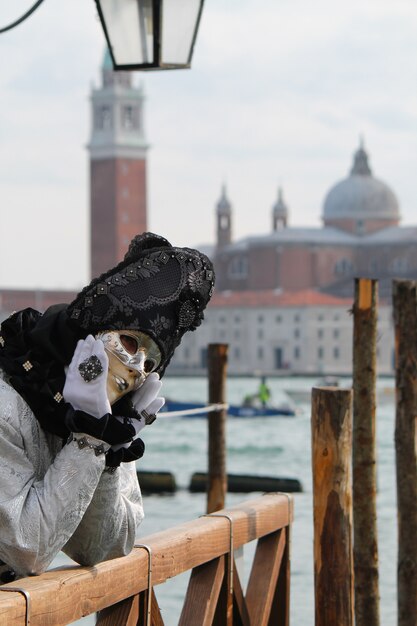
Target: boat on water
{"x":196,"y":410}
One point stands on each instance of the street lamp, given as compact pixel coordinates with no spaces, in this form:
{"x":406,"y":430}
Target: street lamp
{"x":150,"y":34}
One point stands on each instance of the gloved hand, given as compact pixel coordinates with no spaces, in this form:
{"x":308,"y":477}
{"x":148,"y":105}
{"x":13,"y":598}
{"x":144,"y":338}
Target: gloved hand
{"x":144,"y":399}
{"x":90,"y":397}
{"x":89,"y":409}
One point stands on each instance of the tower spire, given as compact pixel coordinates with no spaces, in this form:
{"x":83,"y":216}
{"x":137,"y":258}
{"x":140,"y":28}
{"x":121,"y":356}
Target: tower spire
{"x":360,"y":161}
{"x":279,"y":212}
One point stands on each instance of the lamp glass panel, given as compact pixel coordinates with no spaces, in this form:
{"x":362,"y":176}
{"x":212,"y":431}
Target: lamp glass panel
{"x":129,"y":26}
{"x":179,"y":22}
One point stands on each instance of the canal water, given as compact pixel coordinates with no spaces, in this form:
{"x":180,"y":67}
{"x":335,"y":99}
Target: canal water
{"x":264,"y":446}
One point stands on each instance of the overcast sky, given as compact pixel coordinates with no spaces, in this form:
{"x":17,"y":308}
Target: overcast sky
{"x":278,"y":94}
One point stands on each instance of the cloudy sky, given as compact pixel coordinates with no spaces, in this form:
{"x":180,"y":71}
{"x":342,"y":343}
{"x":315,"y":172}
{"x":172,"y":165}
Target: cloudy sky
{"x":278,"y":94}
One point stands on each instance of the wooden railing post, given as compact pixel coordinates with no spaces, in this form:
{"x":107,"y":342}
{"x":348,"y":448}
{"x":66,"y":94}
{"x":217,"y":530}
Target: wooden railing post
{"x":365,"y":544}
{"x":332,"y":505}
{"x":217,"y":477}
{"x":405,"y":320}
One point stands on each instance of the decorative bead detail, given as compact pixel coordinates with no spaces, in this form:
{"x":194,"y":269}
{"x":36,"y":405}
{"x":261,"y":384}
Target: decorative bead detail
{"x":88,"y":301}
{"x":209,"y":275}
{"x":27,"y":365}
{"x":164,"y":257}
{"x":58,"y":397}
{"x":131,"y":272}
{"x":102,"y":289}
{"x":1,"y":341}
{"x":186,"y":314}
{"x":83,"y":442}
{"x":147,"y":263}
{"x":75,"y":314}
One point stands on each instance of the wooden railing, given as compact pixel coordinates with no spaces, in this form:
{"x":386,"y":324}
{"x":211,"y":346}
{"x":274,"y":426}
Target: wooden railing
{"x":119,"y":589}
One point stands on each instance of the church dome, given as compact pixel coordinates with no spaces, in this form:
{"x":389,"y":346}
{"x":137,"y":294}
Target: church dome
{"x":360,"y":196}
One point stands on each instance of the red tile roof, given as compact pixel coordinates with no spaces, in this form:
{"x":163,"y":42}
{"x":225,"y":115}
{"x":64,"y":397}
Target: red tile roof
{"x":307,"y":297}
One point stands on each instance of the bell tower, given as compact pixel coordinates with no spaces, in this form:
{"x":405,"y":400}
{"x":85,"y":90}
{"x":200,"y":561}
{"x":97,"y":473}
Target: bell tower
{"x":117,"y":167}
{"x":224,"y":219}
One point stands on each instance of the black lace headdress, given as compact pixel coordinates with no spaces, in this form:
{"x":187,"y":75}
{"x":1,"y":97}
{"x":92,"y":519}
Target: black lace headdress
{"x":157,"y":289}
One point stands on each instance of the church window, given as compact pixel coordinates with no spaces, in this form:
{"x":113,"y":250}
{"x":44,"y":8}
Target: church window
{"x":297,"y":333}
{"x":343,"y":267}
{"x":320,"y":353}
{"x":278,"y":319}
{"x":336,"y":352}
{"x":237,"y":353}
{"x":320,"y":333}
{"x":296,"y":352}
{"x":260,"y":352}
{"x":336,"y":333}
{"x":129,"y":116}
{"x":260,"y":334}
{"x":237,"y":319}
{"x":103,"y":118}
{"x":260,"y":319}
{"x":296,"y":318}
{"x":238,"y":267}
{"x":224,"y":222}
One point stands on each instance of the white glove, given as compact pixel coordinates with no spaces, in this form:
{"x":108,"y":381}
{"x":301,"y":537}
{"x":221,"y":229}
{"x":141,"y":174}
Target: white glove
{"x":145,"y":398}
{"x":90,"y":397}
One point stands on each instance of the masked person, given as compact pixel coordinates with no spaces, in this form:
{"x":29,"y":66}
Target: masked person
{"x":77,"y":384}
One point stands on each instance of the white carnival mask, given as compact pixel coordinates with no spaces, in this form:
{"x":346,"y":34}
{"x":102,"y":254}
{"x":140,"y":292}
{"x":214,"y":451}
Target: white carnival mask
{"x":133,"y":355}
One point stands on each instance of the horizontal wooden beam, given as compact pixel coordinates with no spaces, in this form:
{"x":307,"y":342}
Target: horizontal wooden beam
{"x":63,"y":595}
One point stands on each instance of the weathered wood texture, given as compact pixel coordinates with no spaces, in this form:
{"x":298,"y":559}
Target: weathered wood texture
{"x":217,"y":476}
{"x":365,"y":543}
{"x":203,"y":593}
{"x":62,"y":596}
{"x":264,"y":577}
{"x":131,"y":612}
{"x":332,"y":506}
{"x":405,"y":321}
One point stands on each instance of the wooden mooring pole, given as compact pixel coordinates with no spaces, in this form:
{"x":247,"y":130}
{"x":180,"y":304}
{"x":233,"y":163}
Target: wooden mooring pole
{"x":217,"y":476}
{"x":365,"y":544}
{"x":405,"y":321}
{"x":331,"y":425}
